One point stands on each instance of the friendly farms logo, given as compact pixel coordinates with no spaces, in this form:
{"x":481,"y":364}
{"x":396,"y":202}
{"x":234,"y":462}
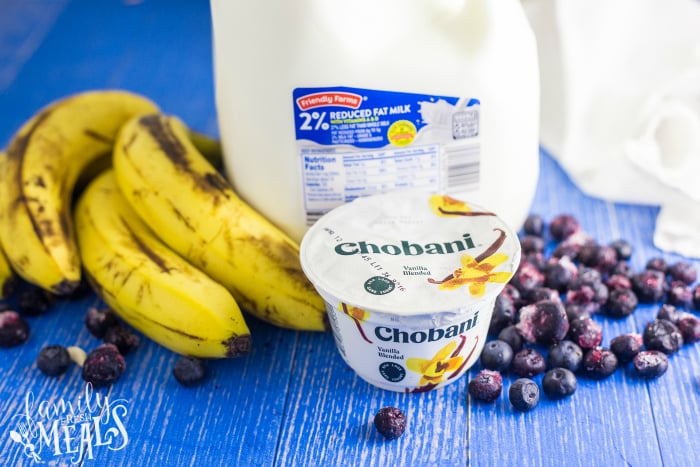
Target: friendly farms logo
{"x":47,"y":429}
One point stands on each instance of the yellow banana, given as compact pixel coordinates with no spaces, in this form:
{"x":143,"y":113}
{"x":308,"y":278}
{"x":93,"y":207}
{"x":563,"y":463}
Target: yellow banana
{"x":149,"y":285}
{"x":43,"y":162}
{"x":7,"y":275}
{"x":196,"y":212}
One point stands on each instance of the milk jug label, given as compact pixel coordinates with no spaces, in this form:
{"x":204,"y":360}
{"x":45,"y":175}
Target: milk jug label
{"x":356,"y":142}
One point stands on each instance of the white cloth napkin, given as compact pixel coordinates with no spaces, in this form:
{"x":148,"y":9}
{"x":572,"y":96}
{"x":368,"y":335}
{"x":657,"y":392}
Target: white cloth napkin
{"x":621,"y":104}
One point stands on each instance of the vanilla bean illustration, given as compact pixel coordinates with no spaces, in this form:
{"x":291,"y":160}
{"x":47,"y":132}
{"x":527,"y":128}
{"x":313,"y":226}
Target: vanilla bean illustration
{"x":485,"y":254}
{"x":464,"y":213}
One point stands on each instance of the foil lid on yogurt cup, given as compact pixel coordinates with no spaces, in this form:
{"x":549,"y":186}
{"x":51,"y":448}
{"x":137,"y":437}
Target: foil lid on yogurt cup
{"x":410,"y":254}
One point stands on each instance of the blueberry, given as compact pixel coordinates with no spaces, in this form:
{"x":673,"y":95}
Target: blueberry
{"x":527,"y":278}
{"x":14,"y":330}
{"x":657,"y":264}
{"x":599,"y":363}
{"x":592,"y":279}
{"x":532,"y":243}
{"x":504,"y":311}
{"x":34,"y":301}
{"x":650,"y":363}
{"x":544,"y":322}
{"x":97,"y":321}
{"x":103,"y":365}
{"x":575,"y":311}
{"x":524,"y":394}
{"x":189,"y":371}
{"x":559,"y":383}
{"x":586,"y":333}
{"x":684,"y":272}
{"x":121,"y":336}
{"x":696,"y":297}
{"x":623,"y":268}
{"x":605,"y":259}
{"x":53,"y":360}
{"x":510,"y":335}
{"x":543,"y":293}
{"x":626,"y":346}
{"x":390,"y":422}
{"x":559,"y":273}
{"x":649,"y":285}
{"x":623,"y":249}
{"x":680,"y":295}
{"x":565,"y":354}
{"x":621,"y":303}
{"x":563,"y":226}
{"x":528,"y":362}
{"x":618,"y":281}
{"x":496,"y":355}
{"x":536,"y":258}
{"x":668,"y":312}
{"x":486,"y":386}
{"x":689,"y":326}
{"x":662,"y":335}
{"x":534,"y":225}
{"x":588,"y":253}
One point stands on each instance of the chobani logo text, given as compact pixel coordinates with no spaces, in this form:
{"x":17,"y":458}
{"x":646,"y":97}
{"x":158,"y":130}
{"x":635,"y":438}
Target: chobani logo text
{"x":405,"y":247}
{"x":387,"y":334}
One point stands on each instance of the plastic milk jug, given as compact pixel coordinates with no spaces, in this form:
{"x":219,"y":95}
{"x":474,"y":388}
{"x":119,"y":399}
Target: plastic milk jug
{"x":320,"y":102}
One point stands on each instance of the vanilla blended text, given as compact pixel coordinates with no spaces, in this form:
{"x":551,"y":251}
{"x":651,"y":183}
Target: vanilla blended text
{"x":321,"y":102}
{"x":409,"y":279}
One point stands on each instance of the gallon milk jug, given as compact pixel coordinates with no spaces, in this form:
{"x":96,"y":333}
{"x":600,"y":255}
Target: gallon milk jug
{"x":323,"y":101}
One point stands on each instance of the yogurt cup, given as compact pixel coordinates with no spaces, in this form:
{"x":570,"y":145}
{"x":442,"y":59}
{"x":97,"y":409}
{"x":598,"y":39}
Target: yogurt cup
{"x":409,"y":279}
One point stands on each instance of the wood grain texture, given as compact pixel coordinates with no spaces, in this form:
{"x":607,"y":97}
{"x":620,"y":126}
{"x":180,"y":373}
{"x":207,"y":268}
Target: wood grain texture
{"x":293,"y":401}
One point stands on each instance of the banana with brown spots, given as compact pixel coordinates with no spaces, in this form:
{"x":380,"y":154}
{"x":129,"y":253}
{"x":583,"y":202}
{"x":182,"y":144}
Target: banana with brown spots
{"x":195,"y":211}
{"x":149,"y":285}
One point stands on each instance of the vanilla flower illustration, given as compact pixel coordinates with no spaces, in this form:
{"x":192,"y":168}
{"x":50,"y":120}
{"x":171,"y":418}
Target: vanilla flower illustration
{"x":358,"y":315}
{"x":433,"y":371}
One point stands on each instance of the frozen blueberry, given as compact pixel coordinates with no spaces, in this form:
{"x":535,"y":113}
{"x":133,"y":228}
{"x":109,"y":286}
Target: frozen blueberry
{"x":534,"y":225}
{"x":606,"y":259}
{"x":510,"y":335}
{"x":123,"y":337}
{"x":486,"y":386}
{"x":684,"y":272}
{"x":650,"y":363}
{"x":657,"y":264}
{"x":189,"y":371}
{"x":587,"y":254}
{"x":496,"y":355}
{"x":559,"y":273}
{"x":696,"y":297}
{"x":565,"y":354}
{"x":390,"y":422}
{"x":53,"y":360}
{"x":618,"y":281}
{"x":513,"y":293}
{"x":97,"y":321}
{"x":14,"y":330}
{"x":680,"y":294}
{"x":566,"y":250}
{"x":524,"y":394}
{"x":668,"y":312}
{"x":563,"y":226}
{"x":689,"y":326}
{"x":649,"y":285}
{"x":623,"y":268}
{"x":528,"y":362}
{"x":588,"y":278}
{"x":576,"y":310}
{"x":532,"y":243}
{"x":559,"y":383}
{"x":623,"y":249}
{"x":103,"y":365}
{"x":626,"y":346}
{"x":503,"y":315}
{"x":599,"y":363}
{"x":34,"y":301}
{"x":662,"y":335}
{"x":586,"y":333}
{"x":621,"y":303}
{"x":544,"y":322}
{"x":536,"y":258}
{"x":544,"y":293}
{"x":527,"y":278}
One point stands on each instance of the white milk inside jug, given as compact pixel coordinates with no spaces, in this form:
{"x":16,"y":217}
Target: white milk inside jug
{"x":322,"y":101}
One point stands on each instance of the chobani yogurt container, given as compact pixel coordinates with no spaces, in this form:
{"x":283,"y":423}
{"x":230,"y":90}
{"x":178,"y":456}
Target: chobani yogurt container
{"x":409,"y":279}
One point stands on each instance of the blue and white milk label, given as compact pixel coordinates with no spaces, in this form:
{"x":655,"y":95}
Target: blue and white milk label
{"x":356,"y":142}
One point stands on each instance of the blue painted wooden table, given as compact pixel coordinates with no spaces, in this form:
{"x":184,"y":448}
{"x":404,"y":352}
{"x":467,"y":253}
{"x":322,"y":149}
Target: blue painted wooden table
{"x":292,"y":401}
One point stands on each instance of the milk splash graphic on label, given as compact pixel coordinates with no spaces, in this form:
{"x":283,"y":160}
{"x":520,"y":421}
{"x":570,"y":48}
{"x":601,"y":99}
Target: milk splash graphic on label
{"x":53,"y":428}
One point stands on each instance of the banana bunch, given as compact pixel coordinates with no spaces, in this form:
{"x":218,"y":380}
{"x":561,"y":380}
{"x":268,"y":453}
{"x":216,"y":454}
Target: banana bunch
{"x":38,"y":173}
{"x":196,"y":212}
{"x":148,"y":284}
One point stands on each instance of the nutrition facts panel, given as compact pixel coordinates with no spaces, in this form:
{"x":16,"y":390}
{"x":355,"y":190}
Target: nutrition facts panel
{"x":332,"y":178}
